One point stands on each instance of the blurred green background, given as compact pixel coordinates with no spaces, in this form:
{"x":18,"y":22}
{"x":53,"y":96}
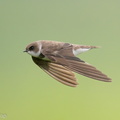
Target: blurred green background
{"x":26,"y":92}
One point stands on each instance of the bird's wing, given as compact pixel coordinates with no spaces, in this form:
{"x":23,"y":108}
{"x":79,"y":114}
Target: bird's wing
{"x":58,"y":72}
{"x":87,"y":70}
{"x":65,"y":57}
{"x":60,"y":56}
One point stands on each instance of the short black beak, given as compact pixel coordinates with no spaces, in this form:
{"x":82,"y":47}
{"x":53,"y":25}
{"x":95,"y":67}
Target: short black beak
{"x":25,"y":51}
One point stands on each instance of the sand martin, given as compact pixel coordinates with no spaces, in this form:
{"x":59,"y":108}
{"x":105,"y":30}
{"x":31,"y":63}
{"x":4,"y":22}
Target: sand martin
{"x":59,"y":60}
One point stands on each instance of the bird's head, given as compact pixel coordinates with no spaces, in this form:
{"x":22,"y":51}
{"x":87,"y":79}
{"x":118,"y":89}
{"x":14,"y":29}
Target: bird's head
{"x":34,"y":49}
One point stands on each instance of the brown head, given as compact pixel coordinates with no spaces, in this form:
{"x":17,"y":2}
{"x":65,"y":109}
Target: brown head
{"x":34,"y":49}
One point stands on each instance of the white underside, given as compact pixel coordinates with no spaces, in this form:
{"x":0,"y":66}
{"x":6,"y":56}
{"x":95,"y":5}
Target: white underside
{"x":34,"y":54}
{"x":79,"y":51}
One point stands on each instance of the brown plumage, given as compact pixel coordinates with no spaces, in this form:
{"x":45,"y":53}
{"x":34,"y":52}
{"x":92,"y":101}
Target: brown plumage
{"x":59,"y":61}
{"x":58,"y":72}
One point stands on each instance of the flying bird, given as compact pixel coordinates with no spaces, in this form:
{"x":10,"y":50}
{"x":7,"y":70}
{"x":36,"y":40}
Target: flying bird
{"x":58,"y":59}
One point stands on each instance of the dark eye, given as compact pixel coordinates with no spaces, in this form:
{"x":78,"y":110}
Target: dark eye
{"x":31,"y":48}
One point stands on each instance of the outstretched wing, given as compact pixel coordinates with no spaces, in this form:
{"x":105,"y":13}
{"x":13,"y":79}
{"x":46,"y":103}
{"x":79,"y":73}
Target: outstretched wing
{"x":66,"y":58}
{"x":87,"y":70}
{"x":57,"y":71}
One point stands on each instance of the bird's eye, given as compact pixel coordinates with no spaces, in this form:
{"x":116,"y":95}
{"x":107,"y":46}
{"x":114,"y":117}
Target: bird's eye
{"x":31,"y":48}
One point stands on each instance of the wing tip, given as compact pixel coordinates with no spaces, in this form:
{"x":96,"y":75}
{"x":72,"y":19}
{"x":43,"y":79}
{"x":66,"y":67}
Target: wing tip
{"x":73,"y":85}
{"x":108,"y":80}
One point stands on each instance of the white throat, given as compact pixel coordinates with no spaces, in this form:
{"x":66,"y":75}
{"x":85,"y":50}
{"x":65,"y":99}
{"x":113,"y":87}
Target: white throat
{"x":36,"y":54}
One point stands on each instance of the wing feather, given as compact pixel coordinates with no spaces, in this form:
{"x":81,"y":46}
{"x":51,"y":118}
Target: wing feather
{"x":58,"y":72}
{"x":87,"y":70}
{"x":77,"y":65}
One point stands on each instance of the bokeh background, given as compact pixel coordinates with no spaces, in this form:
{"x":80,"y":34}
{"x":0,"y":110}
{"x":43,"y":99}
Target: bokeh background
{"x":26,"y":92}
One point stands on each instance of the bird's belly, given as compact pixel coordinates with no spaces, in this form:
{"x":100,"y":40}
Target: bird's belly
{"x":79,"y":51}
{"x":45,"y":59}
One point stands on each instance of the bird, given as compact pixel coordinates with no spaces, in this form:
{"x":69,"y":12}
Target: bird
{"x":58,"y":59}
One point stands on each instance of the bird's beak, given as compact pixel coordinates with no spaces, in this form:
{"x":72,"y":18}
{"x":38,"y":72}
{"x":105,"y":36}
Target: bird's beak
{"x":25,"y":51}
